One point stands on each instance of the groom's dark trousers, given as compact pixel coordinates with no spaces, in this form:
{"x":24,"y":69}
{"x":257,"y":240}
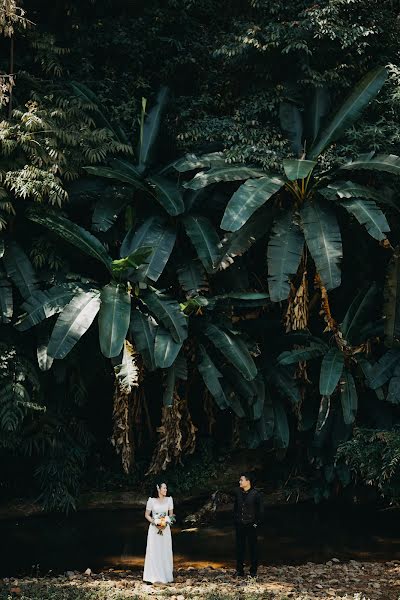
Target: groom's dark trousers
{"x":246,"y":534}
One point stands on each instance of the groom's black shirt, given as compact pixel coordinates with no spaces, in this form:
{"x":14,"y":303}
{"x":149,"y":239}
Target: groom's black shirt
{"x":248,"y":507}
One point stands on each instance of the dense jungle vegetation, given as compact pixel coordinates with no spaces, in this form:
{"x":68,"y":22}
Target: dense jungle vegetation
{"x":199,"y":214}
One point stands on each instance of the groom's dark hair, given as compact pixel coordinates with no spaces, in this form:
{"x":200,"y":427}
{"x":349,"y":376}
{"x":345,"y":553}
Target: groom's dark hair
{"x":249,"y":476}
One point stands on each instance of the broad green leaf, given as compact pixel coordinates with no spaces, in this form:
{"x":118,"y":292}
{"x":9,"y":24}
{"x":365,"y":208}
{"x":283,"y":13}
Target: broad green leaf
{"x":166,"y":349}
{"x":323,"y":413}
{"x":205,"y":240}
{"x":121,"y":174}
{"x":368,"y":214}
{"x":192,"y":278}
{"x":2,"y":247}
{"x":234,"y":349}
{"x":178,"y":370}
{"x":260,"y":398}
{"x":43,"y":335}
{"x":324,"y":241}
{"x":388,"y":163}
{"x":315,"y":112}
{"x":136,"y":259}
{"x":157,"y":234}
{"x":169,"y":195}
{"x":292,"y":357}
{"x":292,"y":125}
{"x":393,"y":395}
{"x":127,"y":372}
{"x":247,"y":199}
{"x":169,"y":313}
{"x":298,"y":169}
{"x":245,"y":389}
{"x":205,"y":161}
{"x":6,"y":299}
{"x":266,"y":424}
{"x":150,"y":129}
{"x":19,"y":269}
{"x":349,"y":189}
{"x":358,"y":314}
{"x":331,"y":371}
{"x":281,"y":426}
{"x":285,"y":383}
{"x":285,"y":248}
{"x":107,"y":210}
{"x":114,"y":318}
{"x":382,"y":371}
{"x":348,"y":397}
{"x":73,"y":322}
{"x":235,"y":244}
{"x":44,"y":304}
{"x":74,"y":234}
{"x":364,"y":92}
{"x":218,"y":174}
{"x":392,"y":300}
{"x":143,"y":328}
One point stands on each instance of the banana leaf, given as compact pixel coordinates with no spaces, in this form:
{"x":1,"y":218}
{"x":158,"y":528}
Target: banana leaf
{"x":358,"y":314}
{"x":285,"y":248}
{"x":189,"y":162}
{"x":284,"y":381}
{"x":211,"y":377}
{"x":392,"y":301}
{"x":322,"y":235}
{"x":150,"y":127}
{"x":315,"y":112}
{"x":331,"y":371}
{"x":107,"y":210}
{"x":114,"y":318}
{"x":192,"y":278}
{"x":368,"y":214}
{"x":393,"y":395}
{"x":6,"y":300}
{"x":266,"y":424}
{"x":281,"y":426}
{"x":323,"y":414}
{"x":250,"y":196}
{"x":297,"y":169}
{"x":383,"y":370}
{"x":168,"y":312}
{"x":292,"y":357}
{"x":364,"y":92}
{"x":74,"y":234}
{"x":388,"y":163}
{"x":349,"y":189}
{"x":19,"y":269}
{"x":143,"y":328}
{"x":73,"y":322}
{"x":166,"y":349}
{"x":235,"y":244}
{"x":205,"y":240}
{"x":348,"y":397}
{"x":168,"y":194}
{"x":44,"y":304}
{"x":292,"y":125}
{"x":226,"y":173}
{"x":156,"y":234}
{"x":234,"y":349}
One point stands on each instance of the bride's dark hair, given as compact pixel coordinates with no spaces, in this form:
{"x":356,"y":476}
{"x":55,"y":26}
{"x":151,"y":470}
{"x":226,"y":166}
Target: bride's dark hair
{"x":154,"y":493}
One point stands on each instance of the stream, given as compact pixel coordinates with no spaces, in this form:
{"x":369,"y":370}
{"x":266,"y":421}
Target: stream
{"x":102,"y":539}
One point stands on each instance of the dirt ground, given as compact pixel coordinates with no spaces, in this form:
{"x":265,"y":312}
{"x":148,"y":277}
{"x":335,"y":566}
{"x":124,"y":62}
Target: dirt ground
{"x":310,"y":581}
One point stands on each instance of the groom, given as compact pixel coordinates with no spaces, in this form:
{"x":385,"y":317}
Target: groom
{"x":248,"y":514}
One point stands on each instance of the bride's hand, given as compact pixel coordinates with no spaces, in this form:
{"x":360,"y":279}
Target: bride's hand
{"x":168,"y":519}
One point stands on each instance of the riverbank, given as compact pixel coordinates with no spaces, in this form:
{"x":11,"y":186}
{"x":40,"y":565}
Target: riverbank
{"x":353,"y":580}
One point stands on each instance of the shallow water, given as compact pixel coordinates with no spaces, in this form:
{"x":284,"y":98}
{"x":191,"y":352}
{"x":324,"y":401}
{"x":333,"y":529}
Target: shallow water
{"x":102,"y":539}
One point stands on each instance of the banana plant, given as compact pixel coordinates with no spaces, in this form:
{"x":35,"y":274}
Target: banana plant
{"x":305,"y":198}
{"x":346,"y":358}
{"x":78,"y":305}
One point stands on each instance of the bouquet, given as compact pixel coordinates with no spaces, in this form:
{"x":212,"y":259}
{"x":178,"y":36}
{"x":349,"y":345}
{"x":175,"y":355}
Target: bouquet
{"x":162,"y":521}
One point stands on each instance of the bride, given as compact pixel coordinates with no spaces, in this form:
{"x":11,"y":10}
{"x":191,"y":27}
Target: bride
{"x":158,"y":563}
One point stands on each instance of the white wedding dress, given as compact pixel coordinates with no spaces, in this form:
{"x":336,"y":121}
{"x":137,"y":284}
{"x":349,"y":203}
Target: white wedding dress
{"x":158,"y":563}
